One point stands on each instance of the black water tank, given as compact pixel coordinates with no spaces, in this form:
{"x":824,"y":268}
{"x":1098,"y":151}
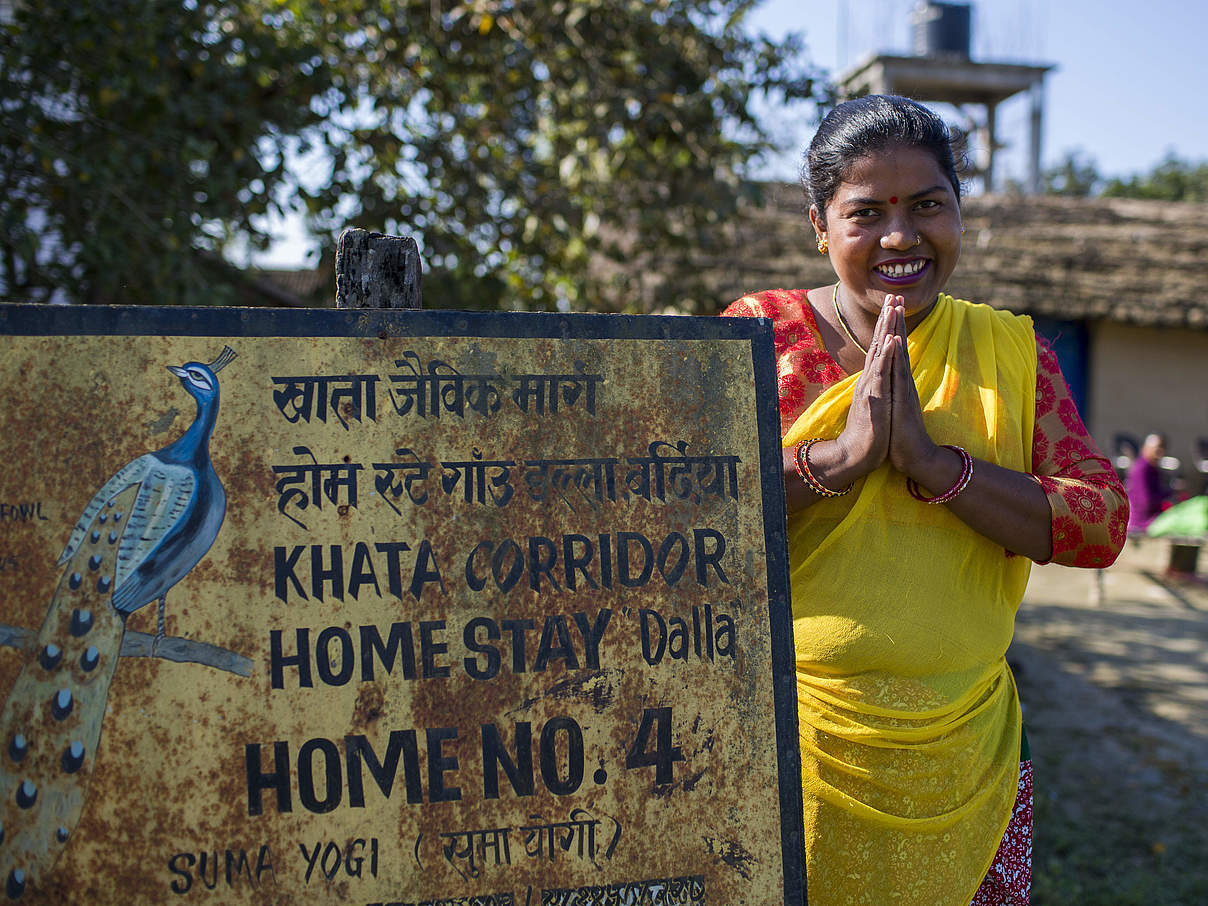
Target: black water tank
{"x":941,"y":28}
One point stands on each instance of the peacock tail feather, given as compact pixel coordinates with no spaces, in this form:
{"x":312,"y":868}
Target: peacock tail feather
{"x":52,"y":718}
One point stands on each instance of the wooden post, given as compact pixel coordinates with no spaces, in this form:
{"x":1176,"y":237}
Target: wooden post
{"x":374,"y":270}
{"x":991,"y":147}
{"x":1035,"y":177}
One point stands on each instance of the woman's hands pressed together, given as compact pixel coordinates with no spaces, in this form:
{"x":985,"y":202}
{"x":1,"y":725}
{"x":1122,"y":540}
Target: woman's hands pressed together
{"x":886,"y":422}
{"x":885,"y":419}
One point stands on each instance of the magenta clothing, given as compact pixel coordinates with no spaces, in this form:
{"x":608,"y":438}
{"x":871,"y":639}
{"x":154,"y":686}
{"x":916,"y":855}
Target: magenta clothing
{"x":1145,"y":493}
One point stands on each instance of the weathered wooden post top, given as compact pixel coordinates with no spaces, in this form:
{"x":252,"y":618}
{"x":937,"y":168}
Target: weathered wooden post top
{"x":374,"y":270}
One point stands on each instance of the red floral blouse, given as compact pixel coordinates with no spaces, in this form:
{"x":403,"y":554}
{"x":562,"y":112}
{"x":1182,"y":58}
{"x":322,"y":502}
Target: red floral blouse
{"x":1090,"y":508}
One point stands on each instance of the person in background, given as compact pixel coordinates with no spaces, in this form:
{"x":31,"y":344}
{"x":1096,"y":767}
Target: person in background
{"x":1147,"y":493}
{"x":932,"y":451}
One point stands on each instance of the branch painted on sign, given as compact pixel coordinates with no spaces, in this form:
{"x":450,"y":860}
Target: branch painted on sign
{"x":138,"y":644}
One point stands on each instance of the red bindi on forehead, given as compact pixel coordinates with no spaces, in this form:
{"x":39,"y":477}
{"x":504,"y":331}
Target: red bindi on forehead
{"x":893,"y":199}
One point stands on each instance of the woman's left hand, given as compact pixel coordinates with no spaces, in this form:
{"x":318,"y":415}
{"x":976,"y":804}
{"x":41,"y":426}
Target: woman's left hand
{"x":911,"y":448}
{"x":1008,"y":507}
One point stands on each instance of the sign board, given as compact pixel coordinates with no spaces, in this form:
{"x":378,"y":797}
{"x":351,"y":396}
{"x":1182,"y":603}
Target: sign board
{"x":423,"y":607}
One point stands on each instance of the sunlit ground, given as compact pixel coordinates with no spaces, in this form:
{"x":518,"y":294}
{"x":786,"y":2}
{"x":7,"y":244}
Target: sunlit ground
{"x":1114,"y":683}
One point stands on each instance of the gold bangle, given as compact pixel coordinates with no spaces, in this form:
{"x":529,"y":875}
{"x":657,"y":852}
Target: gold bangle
{"x":803,"y":469}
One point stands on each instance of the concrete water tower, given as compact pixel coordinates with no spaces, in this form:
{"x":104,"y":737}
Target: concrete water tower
{"x":941,"y":70}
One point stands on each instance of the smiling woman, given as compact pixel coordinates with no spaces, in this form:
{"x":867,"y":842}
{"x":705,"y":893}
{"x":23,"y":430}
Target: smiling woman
{"x":931,"y":451}
{"x":885,"y":200}
{"x":879,"y":244}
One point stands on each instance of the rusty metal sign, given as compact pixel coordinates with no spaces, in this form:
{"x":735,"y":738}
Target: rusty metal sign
{"x":393,"y":608}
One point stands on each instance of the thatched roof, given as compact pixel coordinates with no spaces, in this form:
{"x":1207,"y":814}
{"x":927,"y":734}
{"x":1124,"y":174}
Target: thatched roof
{"x":1123,"y":260}
{"x":312,"y":287}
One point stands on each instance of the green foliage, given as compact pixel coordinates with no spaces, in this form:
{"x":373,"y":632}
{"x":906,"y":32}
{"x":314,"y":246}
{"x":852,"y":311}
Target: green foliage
{"x":531,"y":146}
{"x":137,"y":133}
{"x":1171,"y":180}
{"x":1075,"y":176}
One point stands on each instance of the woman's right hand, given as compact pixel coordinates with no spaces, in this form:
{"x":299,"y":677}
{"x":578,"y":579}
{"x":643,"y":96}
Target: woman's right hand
{"x":864,"y":443}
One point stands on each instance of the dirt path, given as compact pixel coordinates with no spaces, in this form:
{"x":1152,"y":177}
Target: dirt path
{"x":1115,"y":696}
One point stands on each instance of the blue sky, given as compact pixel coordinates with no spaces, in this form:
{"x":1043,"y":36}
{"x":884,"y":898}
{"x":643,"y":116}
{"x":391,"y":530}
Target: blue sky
{"x":1129,"y":85}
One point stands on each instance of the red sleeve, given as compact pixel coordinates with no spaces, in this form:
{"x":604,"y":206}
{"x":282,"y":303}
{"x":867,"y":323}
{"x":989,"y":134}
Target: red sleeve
{"x":803,"y":366}
{"x":1090,"y":508}
{"x":749,"y":306}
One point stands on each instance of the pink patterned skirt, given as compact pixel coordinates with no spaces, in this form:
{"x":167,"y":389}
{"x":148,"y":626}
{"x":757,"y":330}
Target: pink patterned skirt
{"x":1009,"y":880}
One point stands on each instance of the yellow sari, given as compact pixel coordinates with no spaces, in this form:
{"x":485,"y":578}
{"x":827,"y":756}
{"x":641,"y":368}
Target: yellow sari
{"x":909,"y":717}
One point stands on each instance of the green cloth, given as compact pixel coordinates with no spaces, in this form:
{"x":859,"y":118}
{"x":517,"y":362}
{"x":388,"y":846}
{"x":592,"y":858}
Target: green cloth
{"x":1188,"y":519}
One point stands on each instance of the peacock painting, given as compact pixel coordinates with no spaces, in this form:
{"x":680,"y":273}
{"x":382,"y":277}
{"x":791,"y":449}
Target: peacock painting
{"x":142,"y":532}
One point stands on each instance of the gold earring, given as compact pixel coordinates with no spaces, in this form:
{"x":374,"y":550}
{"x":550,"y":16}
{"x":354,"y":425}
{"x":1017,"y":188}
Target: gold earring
{"x":822,"y":246}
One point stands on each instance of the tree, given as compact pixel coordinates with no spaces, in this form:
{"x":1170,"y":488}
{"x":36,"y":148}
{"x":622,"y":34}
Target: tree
{"x":138,"y":139}
{"x":1171,"y":180}
{"x":1076,"y":176}
{"x":544,"y":152}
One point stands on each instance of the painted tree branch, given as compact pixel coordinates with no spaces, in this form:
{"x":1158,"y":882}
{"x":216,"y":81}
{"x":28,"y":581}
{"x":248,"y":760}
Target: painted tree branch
{"x":138,"y":644}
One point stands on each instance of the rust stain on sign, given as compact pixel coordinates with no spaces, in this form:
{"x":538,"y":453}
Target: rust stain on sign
{"x":454,"y":619}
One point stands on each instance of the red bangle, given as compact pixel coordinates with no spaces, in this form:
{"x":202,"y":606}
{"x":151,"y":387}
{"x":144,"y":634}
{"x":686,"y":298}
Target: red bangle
{"x":961,"y":483}
{"x":803,"y":469}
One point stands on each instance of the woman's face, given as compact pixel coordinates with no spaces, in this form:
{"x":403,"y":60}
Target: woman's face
{"x":893,"y":226}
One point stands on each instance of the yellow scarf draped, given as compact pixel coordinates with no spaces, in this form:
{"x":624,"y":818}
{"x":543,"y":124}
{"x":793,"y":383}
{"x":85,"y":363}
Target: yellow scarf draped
{"x":909,"y":718}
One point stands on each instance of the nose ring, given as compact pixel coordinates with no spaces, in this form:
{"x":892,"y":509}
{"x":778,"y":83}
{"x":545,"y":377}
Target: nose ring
{"x":918,"y":240}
